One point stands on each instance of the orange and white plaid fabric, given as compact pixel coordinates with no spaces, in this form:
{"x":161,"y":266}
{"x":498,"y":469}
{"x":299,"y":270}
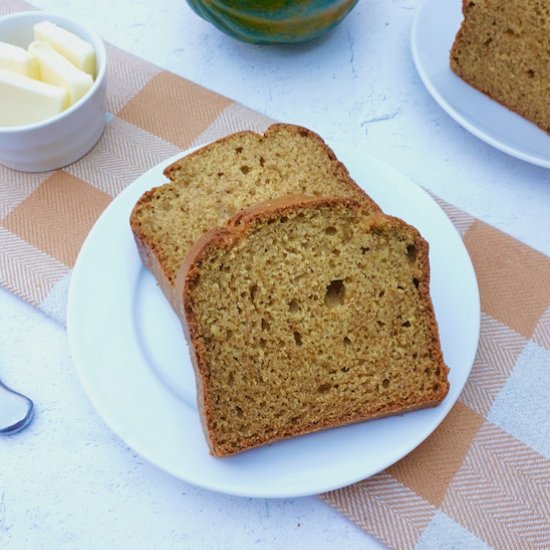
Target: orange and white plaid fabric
{"x":483,"y":478}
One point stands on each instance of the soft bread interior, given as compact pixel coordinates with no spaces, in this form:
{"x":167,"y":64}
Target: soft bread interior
{"x":309,"y":316}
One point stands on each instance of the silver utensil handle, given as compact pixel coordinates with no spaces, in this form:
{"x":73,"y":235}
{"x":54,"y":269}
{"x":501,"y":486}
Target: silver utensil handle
{"x":16,"y":411}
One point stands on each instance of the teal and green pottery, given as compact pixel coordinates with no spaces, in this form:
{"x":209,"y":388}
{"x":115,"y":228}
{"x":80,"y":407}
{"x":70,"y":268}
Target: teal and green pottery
{"x":273,"y":21}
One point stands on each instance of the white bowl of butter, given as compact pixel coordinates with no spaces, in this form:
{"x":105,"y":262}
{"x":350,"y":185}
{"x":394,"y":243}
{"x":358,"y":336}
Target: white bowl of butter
{"x":52,"y":91}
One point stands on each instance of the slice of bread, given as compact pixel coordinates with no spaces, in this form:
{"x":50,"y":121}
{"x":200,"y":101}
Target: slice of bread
{"x":304,"y":314}
{"x":217,"y":181}
{"x":503,"y":49}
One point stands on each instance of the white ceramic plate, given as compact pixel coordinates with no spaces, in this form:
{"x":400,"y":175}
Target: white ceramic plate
{"x":133,"y":360}
{"x":435,"y":25}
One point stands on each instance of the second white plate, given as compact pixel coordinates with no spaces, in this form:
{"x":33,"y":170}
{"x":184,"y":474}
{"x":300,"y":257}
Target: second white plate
{"x":134,"y":363}
{"x":434,"y":28}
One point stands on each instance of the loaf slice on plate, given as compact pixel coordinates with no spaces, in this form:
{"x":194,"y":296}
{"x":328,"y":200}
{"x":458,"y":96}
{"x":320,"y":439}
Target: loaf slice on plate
{"x":217,"y":181}
{"x":503,"y":49}
{"x":304,"y":314}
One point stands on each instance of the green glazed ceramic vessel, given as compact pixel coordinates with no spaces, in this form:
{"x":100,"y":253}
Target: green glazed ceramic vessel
{"x":273,"y":21}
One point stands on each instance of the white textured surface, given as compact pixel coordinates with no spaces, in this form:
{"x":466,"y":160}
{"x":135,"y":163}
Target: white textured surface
{"x":67,"y":482}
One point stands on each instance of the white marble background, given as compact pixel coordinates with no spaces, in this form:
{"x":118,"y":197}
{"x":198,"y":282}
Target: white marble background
{"x":67,"y":482}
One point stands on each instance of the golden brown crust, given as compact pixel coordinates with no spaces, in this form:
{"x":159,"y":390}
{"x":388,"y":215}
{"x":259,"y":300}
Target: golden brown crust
{"x":150,"y":249}
{"x":276,"y":207}
{"x":189,"y":274}
{"x":424,"y":290}
{"x":460,"y":42}
{"x":236,"y":229}
{"x":500,"y":101}
{"x":252,"y":443}
{"x":186,"y":279}
{"x":146,"y":248}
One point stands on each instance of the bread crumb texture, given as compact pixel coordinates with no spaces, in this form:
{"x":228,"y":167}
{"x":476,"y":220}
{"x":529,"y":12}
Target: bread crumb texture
{"x":503,"y":50}
{"x":213,"y":184}
{"x":309,"y":317}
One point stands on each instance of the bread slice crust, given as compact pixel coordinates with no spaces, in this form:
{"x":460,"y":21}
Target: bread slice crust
{"x":506,"y":60}
{"x":196,"y":202}
{"x":227,"y":239}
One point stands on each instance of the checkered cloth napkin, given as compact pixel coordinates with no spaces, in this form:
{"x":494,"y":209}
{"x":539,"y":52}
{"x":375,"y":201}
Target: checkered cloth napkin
{"x":483,"y":478}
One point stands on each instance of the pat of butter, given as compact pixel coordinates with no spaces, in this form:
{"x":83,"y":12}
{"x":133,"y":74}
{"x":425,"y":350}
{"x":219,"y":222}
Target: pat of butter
{"x":16,"y":59}
{"x":79,"y":52}
{"x":24,"y":100}
{"x":56,"y":70}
